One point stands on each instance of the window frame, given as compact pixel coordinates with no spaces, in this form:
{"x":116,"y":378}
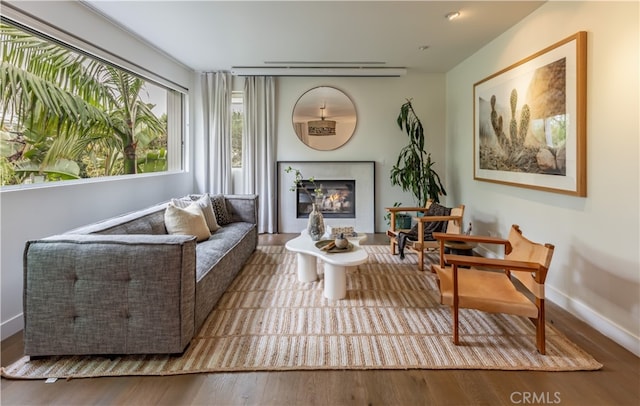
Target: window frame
{"x":177,"y":95}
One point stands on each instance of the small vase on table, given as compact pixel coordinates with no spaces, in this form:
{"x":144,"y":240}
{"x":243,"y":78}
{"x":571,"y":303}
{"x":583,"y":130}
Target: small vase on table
{"x":315,"y":226}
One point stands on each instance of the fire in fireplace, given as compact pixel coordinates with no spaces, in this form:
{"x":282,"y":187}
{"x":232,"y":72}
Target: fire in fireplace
{"x":338,"y":199}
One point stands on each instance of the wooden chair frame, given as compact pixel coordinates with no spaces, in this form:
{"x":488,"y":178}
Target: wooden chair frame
{"x":421,"y":245}
{"x":476,"y":287}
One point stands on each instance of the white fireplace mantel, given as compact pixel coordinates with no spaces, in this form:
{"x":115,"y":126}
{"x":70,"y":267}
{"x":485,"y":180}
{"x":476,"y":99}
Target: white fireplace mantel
{"x":363,"y":172}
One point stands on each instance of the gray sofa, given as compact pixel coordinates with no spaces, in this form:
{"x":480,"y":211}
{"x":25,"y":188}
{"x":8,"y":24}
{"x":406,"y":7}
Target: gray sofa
{"x":125,"y":286}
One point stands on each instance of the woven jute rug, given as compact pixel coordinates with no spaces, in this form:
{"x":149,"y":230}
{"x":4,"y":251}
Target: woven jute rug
{"x":390,"y":319}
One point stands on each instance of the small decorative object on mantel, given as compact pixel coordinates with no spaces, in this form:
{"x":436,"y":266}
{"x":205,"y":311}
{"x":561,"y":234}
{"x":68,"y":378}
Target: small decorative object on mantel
{"x":315,"y":225}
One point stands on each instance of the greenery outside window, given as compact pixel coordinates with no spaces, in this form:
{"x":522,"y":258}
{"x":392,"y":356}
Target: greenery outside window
{"x":237,"y":116}
{"x":66,"y":115}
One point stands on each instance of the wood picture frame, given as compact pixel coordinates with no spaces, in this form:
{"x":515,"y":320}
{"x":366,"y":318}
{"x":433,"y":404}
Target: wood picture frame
{"x":530,"y":121}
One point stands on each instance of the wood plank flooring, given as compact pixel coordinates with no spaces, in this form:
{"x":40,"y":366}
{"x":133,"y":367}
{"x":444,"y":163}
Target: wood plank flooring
{"x":618,"y":383}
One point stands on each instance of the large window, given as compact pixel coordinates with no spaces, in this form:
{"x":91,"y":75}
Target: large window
{"x":237,"y":117}
{"x":67,"y":115}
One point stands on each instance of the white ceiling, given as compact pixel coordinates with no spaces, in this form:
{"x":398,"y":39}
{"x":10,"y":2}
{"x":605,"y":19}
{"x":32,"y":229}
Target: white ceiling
{"x":216,"y":35}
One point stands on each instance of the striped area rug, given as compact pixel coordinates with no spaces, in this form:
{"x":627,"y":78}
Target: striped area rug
{"x":390,"y":319}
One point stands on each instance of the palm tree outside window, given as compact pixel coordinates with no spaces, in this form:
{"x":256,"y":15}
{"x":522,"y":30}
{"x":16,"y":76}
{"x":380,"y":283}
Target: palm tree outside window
{"x":65,"y":115}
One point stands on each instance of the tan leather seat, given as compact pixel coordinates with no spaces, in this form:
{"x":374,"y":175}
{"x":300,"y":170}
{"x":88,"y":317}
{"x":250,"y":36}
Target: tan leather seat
{"x":488,"y":285}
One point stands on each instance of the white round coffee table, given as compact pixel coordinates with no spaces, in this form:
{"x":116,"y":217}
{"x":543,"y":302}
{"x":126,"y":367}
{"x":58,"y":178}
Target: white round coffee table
{"x":335,"y":275}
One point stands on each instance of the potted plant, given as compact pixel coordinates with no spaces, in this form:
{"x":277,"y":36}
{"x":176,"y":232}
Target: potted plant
{"x":403,"y":220}
{"x":413,"y":170}
{"x":315,"y":224}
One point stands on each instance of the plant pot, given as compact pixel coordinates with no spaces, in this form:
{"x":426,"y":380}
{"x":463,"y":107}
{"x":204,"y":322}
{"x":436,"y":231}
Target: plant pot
{"x":403,"y":221}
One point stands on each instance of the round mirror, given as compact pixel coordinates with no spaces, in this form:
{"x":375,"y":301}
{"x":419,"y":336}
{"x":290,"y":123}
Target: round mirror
{"x":324,"y":118}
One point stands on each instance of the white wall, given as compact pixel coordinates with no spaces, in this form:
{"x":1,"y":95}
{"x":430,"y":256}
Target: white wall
{"x":43,"y":210}
{"x":377,"y":136}
{"x":594,"y":272}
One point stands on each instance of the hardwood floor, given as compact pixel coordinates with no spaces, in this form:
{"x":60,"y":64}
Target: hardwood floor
{"x":617,"y":383}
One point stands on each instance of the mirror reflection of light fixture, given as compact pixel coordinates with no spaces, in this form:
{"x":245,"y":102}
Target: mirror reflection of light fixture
{"x":322,"y":126}
{"x":339,"y":108}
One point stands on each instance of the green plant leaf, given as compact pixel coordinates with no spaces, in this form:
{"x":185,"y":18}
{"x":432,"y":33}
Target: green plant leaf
{"x":413,"y":170}
{"x":62,"y":169}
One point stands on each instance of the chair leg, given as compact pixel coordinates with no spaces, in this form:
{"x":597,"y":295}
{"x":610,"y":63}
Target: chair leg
{"x":392,"y":246}
{"x":540,"y":328}
{"x":454,"y":311}
{"x":455,"y":306}
{"x":421,"y":260}
{"x":540,"y":338}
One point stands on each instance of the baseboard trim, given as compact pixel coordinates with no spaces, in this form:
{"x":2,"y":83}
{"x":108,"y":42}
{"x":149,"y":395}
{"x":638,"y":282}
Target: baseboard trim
{"x":485,"y":252}
{"x":584,"y":313}
{"x":11,"y":326}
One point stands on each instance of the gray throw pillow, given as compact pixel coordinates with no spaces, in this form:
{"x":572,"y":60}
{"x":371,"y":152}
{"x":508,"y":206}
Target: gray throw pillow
{"x":220,"y":209}
{"x":432,"y":226}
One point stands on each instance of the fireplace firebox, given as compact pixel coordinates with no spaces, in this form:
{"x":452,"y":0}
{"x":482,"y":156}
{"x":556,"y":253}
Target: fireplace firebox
{"x":337,"y":198}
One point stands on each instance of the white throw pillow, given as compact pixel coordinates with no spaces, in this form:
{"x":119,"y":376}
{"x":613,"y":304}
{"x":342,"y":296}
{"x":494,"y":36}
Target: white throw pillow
{"x":186,"y":221}
{"x":207,"y":209}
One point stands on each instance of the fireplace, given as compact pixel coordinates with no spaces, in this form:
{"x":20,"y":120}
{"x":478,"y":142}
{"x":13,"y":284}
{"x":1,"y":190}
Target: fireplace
{"x":348,"y":194}
{"x":336,"y":198}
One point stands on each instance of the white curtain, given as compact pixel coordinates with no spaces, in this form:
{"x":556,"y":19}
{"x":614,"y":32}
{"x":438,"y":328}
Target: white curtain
{"x":216,"y":93}
{"x":259,"y":148}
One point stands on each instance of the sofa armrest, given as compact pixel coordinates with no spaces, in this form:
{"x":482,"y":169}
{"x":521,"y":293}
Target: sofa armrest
{"x":243,"y":207}
{"x":109,"y":294}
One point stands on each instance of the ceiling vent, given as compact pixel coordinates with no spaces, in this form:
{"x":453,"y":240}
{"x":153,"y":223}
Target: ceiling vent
{"x":359,"y":71}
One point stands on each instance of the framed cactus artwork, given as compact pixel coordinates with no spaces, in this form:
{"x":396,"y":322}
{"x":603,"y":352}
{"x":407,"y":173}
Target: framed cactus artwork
{"x":530,"y":121}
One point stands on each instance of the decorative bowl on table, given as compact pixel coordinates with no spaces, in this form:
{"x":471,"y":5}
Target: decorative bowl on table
{"x":324,"y":245}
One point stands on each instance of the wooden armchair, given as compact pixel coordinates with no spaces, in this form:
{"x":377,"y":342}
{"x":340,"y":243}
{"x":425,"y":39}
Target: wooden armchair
{"x":481,"y":287}
{"x":454,"y":227}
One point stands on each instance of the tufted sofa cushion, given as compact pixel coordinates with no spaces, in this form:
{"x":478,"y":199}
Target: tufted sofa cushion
{"x":98,"y":302}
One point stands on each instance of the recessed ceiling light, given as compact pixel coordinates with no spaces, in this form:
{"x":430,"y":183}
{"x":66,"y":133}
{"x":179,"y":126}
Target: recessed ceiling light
{"x":453,"y":15}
